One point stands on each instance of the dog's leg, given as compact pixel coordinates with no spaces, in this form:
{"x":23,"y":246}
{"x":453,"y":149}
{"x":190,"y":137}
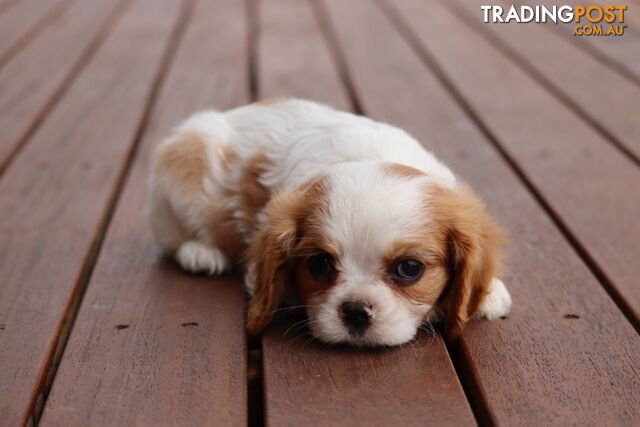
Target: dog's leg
{"x":182,"y":193}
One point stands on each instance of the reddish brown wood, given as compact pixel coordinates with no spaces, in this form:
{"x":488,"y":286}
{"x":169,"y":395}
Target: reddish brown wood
{"x":55,"y":197}
{"x":566,"y":354}
{"x":293,"y":58}
{"x":62,"y":49}
{"x":184,"y":344}
{"x":6,"y":4}
{"x":568,"y":71}
{"x":587,"y":183}
{"x":24,"y":21}
{"x":307,"y":383}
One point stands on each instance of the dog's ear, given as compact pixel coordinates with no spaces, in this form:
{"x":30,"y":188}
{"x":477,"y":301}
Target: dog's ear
{"x":473,"y":243}
{"x":271,"y":253}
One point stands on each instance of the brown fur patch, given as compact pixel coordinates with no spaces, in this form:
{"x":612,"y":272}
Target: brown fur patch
{"x":185,"y":160}
{"x":228,"y":157}
{"x":222,"y":222}
{"x":270,"y":101}
{"x":312,"y":244}
{"x":275,"y":246}
{"x":254,"y":195}
{"x":473,"y":253}
{"x":400,"y":170}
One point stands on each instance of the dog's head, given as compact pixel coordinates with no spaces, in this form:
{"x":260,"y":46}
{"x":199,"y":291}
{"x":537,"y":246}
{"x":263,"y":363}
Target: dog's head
{"x":374,"y":250}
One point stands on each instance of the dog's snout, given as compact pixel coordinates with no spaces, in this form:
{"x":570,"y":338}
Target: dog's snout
{"x":356,"y":316}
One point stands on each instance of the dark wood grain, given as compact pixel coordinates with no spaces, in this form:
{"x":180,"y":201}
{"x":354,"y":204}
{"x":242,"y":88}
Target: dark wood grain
{"x":24,"y":21}
{"x":293,"y":59}
{"x":307,"y":383}
{"x":620,"y":52}
{"x":566,"y":354}
{"x":63,"y":48}
{"x":55,"y":197}
{"x":184,"y":343}
{"x":586,"y":182}
{"x":571,"y":73}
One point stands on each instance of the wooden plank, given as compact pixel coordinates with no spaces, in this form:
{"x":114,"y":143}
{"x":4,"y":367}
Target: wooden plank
{"x":185,"y":344}
{"x":623,"y":50}
{"x":307,"y":383}
{"x":583,"y":180}
{"x":619,"y":52}
{"x":611,"y":108}
{"x":65,"y":46}
{"x":6,"y":4}
{"x":537,"y":367}
{"x":55,"y":199}
{"x":293,"y":59}
{"x":22,"y":23}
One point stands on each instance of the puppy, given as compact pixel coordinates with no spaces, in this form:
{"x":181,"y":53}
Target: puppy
{"x":372,"y":234}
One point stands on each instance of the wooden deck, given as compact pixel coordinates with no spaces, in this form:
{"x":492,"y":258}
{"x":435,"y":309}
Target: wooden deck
{"x":97,"y":329}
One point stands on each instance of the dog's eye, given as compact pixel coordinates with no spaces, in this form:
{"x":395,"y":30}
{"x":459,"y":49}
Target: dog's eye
{"x":321,"y":265}
{"x":409,"y":269}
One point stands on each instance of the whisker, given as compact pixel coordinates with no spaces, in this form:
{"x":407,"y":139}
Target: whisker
{"x":290,"y":308}
{"x":293,"y":326}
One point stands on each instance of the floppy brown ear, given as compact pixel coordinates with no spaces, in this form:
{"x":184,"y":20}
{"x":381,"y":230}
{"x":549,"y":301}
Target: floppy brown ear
{"x":473,"y":243}
{"x":270,"y":255}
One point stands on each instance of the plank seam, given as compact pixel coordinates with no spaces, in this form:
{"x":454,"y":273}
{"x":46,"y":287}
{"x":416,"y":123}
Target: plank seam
{"x":255,"y":368}
{"x":35,"y":30}
{"x":46,"y":376}
{"x":468,"y":381}
{"x":256,"y":393}
{"x":253,"y":30}
{"x":432,"y":65}
{"x":609,"y":62}
{"x":321,"y":15}
{"x":538,"y":77}
{"x":41,"y":392}
{"x":81,"y":62}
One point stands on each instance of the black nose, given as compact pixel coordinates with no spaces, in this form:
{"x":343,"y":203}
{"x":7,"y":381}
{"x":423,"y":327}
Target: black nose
{"x":356,"y":316}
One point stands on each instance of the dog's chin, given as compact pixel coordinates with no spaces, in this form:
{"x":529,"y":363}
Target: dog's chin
{"x":372,"y":338}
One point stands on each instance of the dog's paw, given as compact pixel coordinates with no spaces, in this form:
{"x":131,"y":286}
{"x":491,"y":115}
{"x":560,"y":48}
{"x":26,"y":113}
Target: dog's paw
{"x":497,"y":303}
{"x":197,"y":257}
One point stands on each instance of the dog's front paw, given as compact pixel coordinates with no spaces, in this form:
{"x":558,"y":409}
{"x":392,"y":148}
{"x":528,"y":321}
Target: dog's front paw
{"x":497,"y":303}
{"x":197,"y":257}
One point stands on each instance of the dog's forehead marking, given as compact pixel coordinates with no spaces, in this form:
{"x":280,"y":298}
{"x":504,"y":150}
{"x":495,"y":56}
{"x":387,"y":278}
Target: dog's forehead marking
{"x":370,"y":209}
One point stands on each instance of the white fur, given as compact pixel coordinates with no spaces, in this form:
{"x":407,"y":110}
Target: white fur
{"x":497,"y":303}
{"x":369,"y":210}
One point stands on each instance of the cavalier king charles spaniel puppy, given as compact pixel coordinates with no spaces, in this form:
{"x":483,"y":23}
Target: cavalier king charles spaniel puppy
{"x":354,"y":218}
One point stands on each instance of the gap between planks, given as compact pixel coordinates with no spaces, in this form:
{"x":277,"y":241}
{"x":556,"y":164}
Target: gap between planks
{"x":32,"y":32}
{"x":255,"y":367}
{"x":43,"y":387}
{"x":327,"y":30}
{"x":548,"y":85}
{"x":464,"y":370}
{"x":427,"y":58}
{"x":85,"y":57}
{"x":608,"y":61}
